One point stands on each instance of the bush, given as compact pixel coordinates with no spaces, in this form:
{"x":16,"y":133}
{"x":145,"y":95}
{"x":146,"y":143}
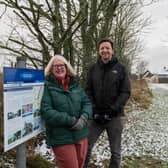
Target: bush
{"x":141,"y":95}
{"x":38,"y":161}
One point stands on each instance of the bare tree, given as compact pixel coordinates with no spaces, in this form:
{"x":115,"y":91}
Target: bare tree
{"x":98,"y":16}
{"x":146,"y":2}
{"x":141,"y":67}
{"x":128,"y":24}
{"x":69,"y":27}
{"x":42,"y":28}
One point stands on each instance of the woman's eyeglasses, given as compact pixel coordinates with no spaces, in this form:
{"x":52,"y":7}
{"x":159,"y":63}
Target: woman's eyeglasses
{"x":58,"y":66}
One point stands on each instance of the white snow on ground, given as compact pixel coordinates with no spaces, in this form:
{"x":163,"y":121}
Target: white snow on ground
{"x":45,"y":151}
{"x":158,"y":85}
{"x":145,"y":132}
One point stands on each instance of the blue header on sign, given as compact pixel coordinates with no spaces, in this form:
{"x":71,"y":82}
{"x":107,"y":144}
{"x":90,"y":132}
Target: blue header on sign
{"x":22,"y":75}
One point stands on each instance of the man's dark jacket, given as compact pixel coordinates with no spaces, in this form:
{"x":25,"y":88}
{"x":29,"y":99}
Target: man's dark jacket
{"x":108,"y":87}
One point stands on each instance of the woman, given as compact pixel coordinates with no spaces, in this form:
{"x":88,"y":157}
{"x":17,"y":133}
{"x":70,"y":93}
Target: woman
{"x":65,"y":109}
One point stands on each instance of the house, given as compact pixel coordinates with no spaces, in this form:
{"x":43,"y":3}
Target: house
{"x":147,"y":74}
{"x":163,"y":78}
{"x":163,"y":75}
{"x":160,"y":77}
{"x":150,"y":77}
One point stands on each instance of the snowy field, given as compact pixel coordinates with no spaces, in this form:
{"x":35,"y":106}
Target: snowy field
{"x":145,"y":132}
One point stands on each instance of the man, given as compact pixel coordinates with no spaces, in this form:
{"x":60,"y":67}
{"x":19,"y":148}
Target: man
{"x":108,"y":87}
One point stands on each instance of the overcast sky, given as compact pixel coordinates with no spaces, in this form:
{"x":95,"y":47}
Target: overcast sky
{"x":156,"y":40}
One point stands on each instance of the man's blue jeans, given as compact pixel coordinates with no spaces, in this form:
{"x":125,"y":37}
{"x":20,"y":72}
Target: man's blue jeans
{"x":114,"y":131}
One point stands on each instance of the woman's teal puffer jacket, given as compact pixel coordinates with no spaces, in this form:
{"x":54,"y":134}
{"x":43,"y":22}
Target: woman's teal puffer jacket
{"x":57,"y":109}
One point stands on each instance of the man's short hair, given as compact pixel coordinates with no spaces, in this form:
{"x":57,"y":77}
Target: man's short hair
{"x":105,"y":40}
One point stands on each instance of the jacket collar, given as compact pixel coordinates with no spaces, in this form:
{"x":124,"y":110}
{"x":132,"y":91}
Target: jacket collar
{"x":111,"y":63}
{"x":73,"y":81}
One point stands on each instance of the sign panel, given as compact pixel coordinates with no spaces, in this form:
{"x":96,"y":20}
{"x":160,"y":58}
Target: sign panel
{"x":22,"y":89}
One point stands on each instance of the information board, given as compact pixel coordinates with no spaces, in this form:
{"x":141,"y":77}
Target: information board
{"x":22,"y":91}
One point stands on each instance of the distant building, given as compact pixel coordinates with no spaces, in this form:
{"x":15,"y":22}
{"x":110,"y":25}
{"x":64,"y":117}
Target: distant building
{"x":149,"y":77}
{"x":147,"y":74}
{"x":163,"y":75}
{"x":163,"y":78}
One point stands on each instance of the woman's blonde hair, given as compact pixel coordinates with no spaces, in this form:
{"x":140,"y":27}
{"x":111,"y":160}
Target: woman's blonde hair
{"x":70,"y":70}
